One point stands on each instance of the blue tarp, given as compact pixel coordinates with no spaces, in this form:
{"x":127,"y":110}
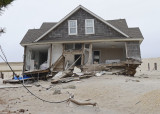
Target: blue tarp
{"x":21,"y":78}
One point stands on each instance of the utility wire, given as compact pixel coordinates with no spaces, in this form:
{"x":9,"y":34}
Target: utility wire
{"x":5,"y":60}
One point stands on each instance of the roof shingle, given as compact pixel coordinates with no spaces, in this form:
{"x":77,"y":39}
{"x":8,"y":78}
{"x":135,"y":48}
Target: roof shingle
{"x":33,"y":34}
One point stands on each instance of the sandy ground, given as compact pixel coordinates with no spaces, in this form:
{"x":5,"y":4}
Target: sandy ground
{"x":113,"y":94}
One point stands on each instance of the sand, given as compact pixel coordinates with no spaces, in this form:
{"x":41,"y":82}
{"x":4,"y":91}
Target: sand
{"x":113,"y":94}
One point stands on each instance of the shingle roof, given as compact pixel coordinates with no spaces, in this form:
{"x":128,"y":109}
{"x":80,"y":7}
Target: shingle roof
{"x":32,"y":35}
{"x":47,"y":25}
{"x":135,"y":33}
{"x":121,"y":24}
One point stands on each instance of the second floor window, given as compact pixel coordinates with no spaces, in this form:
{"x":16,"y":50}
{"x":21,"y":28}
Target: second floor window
{"x":72,"y":27}
{"x":89,"y":26}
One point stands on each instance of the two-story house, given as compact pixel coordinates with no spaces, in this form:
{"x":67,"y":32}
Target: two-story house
{"x":80,"y":38}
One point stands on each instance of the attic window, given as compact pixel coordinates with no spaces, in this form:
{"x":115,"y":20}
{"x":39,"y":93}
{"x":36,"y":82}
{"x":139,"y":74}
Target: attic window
{"x":72,"y":27}
{"x":89,"y":26}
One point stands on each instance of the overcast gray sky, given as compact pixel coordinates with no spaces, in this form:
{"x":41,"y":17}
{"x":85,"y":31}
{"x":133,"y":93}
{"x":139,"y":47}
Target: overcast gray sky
{"x":28,"y":14}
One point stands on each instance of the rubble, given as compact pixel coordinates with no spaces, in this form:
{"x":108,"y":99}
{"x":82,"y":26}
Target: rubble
{"x":57,"y":91}
{"x":70,"y":87}
{"x":100,"y":73}
{"x":76,"y":70}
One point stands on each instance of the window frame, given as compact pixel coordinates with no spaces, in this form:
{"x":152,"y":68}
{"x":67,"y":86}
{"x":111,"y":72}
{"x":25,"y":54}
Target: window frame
{"x":89,"y":26}
{"x":69,"y":28}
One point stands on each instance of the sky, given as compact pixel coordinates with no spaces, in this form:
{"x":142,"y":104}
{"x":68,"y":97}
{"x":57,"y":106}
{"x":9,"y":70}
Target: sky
{"x":22,"y":15}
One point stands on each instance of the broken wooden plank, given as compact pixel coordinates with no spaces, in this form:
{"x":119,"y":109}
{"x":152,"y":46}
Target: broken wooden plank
{"x":82,"y":103}
{"x":10,"y":86}
{"x":65,"y":80}
{"x":57,"y":62}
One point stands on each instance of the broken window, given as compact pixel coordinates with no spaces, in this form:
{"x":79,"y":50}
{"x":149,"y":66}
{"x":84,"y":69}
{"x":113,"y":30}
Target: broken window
{"x":96,"y":56}
{"x":77,"y":46}
{"x":68,"y":46}
{"x":86,"y":45}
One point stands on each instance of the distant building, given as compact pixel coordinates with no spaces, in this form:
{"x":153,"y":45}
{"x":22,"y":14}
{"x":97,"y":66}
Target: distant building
{"x":150,"y":64}
{"x":5,"y":70}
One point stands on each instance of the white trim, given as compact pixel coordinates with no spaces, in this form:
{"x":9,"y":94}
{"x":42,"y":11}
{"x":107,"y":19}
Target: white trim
{"x":126,"y":49}
{"x":87,"y":41}
{"x":69,"y":32}
{"x":73,"y":11}
{"x":89,"y":26}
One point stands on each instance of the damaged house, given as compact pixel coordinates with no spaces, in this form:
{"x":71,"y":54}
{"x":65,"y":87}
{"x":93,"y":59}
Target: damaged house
{"x":81,"y":38}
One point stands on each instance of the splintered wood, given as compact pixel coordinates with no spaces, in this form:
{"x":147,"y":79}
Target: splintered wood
{"x":82,"y":103}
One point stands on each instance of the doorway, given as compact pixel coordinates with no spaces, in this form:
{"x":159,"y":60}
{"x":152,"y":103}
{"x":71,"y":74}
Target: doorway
{"x":78,"y":61}
{"x":96,"y":57}
{"x":155,"y":66}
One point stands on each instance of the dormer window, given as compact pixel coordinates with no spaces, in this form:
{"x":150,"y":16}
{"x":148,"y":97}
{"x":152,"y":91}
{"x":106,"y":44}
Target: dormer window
{"x":89,"y":26}
{"x":72,"y":27}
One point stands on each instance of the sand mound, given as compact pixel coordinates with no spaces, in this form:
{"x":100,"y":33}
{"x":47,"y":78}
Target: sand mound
{"x":2,"y":101}
{"x":150,"y":100}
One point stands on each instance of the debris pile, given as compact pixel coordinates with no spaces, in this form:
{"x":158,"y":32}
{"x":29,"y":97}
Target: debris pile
{"x":68,"y":76}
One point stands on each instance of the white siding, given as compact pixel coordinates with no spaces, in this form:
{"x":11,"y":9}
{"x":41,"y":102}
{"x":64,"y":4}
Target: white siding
{"x":57,"y":50}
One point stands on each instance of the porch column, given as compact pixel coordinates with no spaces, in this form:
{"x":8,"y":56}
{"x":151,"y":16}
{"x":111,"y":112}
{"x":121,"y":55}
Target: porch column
{"x":50,"y":62}
{"x":126,"y":50}
{"x":24,"y":59}
{"x":90,"y":54}
{"x":83,"y":51}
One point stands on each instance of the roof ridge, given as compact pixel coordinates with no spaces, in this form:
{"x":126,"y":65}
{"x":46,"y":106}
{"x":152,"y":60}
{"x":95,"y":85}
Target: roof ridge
{"x":88,"y":11}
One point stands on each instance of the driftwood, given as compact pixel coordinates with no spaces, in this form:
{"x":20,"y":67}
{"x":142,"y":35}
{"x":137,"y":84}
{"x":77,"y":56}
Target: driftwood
{"x":82,"y":103}
{"x":69,"y":79}
{"x":85,"y":76}
{"x":3,"y":87}
{"x":53,"y":66}
{"x":65,"y":80}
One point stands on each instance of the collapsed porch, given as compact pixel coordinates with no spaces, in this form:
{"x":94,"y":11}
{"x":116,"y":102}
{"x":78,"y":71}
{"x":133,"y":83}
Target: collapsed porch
{"x":59,"y":57}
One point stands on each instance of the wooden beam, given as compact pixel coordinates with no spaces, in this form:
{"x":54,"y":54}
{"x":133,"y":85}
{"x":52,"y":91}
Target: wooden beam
{"x":83,"y":51}
{"x":90,"y":54}
{"x":126,"y":49}
{"x":64,"y":56}
{"x":50,"y":61}
{"x":24,"y":59}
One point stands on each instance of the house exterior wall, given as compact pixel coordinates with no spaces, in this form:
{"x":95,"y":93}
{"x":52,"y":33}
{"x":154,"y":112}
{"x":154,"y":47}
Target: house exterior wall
{"x":57,"y":50}
{"x":111,"y":54}
{"x":133,"y":50}
{"x":28,"y":59}
{"x":101,"y":29}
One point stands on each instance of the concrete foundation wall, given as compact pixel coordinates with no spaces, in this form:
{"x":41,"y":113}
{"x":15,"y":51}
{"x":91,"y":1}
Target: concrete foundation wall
{"x":16,"y":66}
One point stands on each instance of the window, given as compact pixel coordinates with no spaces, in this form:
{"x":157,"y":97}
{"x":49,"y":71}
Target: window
{"x":96,"y":57}
{"x":72,"y":27}
{"x":89,"y":26}
{"x":155,"y":66}
{"x":77,"y":46}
